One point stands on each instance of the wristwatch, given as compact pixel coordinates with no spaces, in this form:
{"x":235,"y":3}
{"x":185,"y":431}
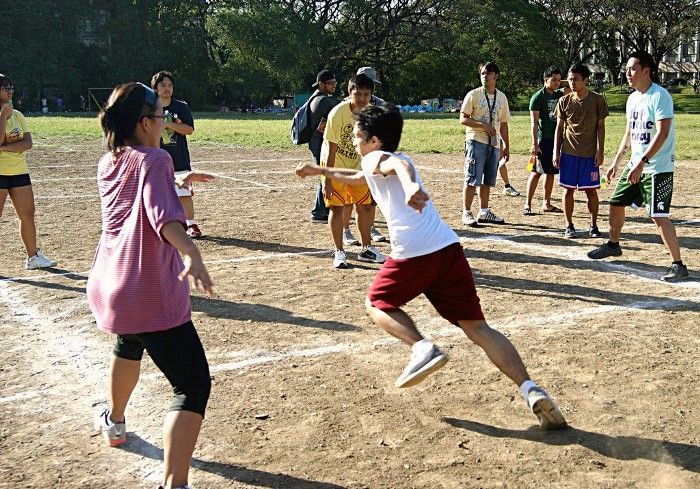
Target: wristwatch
{"x":645,"y":159}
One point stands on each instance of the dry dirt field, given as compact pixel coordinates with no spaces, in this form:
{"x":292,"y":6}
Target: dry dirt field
{"x":303,"y":392}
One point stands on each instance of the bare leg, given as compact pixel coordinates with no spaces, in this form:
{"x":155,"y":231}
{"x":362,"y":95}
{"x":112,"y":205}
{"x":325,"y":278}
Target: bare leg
{"x":365,"y":214}
{"x":468,"y":193}
{"x":532,"y":182}
{"x":123,"y":377}
{"x":397,"y":323}
{"x":484,"y":193}
{"x":23,"y":200}
{"x":180,"y":432}
{"x":188,"y":205}
{"x":568,"y":199}
{"x":498,"y":348}
{"x":616,"y":220}
{"x":593,"y":205}
{"x":503,"y":171}
{"x":335,"y":222}
{"x":668,"y":233}
{"x":548,"y":186}
{"x":347,"y":214}
{"x":3,"y":197}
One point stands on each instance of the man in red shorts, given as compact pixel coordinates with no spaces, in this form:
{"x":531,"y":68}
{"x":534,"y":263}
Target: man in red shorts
{"x":426,"y":258}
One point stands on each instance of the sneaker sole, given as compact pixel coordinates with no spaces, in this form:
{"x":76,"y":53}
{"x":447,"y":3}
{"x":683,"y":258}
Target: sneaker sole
{"x":341,"y":266}
{"x":380,"y":240}
{"x":435,"y":364}
{"x":549,"y":415}
{"x":115,"y":442}
{"x":675,"y":279}
{"x":43,"y":266}
{"x":483,"y":221}
{"x":369,"y":260}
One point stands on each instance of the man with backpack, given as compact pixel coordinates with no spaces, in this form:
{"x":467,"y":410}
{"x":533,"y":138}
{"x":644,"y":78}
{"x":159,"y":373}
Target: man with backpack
{"x":319,"y":106}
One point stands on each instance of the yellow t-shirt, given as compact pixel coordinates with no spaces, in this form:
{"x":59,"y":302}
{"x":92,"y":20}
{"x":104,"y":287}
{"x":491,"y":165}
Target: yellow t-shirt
{"x":476,"y":106}
{"x":339,"y":131}
{"x":14,"y":163}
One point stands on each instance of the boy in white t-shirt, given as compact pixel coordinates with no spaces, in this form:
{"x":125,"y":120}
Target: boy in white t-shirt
{"x":426,"y":258}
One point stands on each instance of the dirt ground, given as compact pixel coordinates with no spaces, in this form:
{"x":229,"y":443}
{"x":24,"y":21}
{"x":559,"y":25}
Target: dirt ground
{"x":303,"y":392}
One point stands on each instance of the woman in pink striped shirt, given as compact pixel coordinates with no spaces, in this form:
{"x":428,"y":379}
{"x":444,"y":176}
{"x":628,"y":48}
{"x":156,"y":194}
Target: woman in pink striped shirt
{"x":138,"y":287}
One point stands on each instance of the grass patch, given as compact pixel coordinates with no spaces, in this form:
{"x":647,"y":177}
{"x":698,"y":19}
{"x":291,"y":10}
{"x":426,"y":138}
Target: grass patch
{"x":422,"y":133}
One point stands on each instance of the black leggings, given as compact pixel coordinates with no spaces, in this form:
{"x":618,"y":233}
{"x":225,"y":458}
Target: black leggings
{"x":179,"y":354}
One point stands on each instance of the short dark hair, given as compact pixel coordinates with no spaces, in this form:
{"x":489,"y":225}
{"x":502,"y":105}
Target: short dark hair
{"x":361,"y":82}
{"x":581,"y":69}
{"x":159,"y":77}
{"x":126,"y":106}
{"x":644,"y":58}
{"x":384,"y":122}
{"x":551,"y":71}
{"x":491,"y":67}
{"x":5,"y":80}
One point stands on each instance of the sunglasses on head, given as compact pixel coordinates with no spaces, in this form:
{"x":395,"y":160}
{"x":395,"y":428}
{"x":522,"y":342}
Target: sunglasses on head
{"x":150,"y":96}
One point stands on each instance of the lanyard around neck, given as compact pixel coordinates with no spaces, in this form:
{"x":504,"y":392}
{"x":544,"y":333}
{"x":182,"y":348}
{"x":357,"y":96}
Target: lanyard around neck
{"x":488,"y":104}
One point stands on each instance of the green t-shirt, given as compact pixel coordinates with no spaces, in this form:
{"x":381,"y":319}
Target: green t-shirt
{"x":546,"y":103}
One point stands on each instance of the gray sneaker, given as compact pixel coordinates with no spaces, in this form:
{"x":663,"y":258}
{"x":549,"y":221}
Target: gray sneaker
{"x":490,"y":218}
{"x":113,"y":433}
{"x":376,"y":236}
{"x":348,"y":238}
{"x":676,"y":273}
{"x":604,"y":251}
{"x":570,"y":232}
{"x":509,"y":190}
{"x":545,"y":409}
{"x":468,"y":219}
{"x":371,"y":255}
{"x":420,"y":366}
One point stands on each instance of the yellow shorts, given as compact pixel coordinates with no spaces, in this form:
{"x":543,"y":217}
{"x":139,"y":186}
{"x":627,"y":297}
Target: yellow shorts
{"x":347,"y":195}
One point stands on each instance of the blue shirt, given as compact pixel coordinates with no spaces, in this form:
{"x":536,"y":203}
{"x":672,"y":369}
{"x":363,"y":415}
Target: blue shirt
{"x":644,"y":110}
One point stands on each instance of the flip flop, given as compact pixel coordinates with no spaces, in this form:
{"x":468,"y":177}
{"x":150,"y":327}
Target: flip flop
{"x":553,"y":209}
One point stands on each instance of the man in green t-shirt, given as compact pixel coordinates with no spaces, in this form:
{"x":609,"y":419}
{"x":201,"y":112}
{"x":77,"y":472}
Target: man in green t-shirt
{"x":543,"y":123}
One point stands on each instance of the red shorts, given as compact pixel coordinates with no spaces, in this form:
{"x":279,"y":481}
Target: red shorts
{"x":443,"y":276}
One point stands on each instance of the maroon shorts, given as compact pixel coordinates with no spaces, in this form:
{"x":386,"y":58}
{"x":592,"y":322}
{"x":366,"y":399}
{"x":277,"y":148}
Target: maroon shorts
{"x":443,"y":276}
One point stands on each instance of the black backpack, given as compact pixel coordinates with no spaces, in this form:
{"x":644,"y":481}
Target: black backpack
{"x":301,"y":128}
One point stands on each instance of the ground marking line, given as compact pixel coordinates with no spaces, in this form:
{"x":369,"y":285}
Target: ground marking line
{"x":253,"y":182}
{"x":428,"y":325}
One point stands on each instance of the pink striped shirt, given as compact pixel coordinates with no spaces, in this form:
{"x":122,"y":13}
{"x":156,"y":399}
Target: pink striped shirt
{"x":133,"y":286}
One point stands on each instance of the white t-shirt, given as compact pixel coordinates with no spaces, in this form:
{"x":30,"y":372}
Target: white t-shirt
{"x":411,"y":233}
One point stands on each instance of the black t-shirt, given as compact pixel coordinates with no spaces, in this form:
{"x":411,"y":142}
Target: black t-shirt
{"x":320,"y":108}
{"x":174,"y":143}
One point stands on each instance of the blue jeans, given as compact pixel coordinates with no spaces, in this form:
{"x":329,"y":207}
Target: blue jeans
{"x":320,"y":211}
{"x":480,"y":164}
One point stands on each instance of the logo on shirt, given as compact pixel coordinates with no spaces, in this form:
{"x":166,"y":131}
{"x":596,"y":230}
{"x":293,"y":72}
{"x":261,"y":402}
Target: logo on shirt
{"x":345,"y":146}
{"x":641,"y":127}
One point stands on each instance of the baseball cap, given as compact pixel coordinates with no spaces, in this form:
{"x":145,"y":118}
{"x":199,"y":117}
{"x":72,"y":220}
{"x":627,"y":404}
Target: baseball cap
{"x":323,"y":76}
{"x":369,"y":71}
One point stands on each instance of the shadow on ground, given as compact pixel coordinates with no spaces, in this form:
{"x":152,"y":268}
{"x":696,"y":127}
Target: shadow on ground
{"x":242,"y":311}
{"x":681,"y":455}
{"x":232,"y":472}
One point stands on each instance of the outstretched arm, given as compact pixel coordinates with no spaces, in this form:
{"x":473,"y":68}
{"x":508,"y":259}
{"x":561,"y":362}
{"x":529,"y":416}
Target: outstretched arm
{"x":348,"y":176}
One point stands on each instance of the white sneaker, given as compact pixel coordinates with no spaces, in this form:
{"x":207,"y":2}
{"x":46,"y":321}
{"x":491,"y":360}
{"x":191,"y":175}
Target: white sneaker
{"x":340,"y":259}
{"x":423,"y":363}
{"x":348,"y":238}
{"x":545,"y":409}
{"x":113,"y":433}
{"x":468,"y":219}
{"x":39,"y":260}
{"x":371,"y":255}
{"x":510,"y":191}
{"x":490,"y":218}
{"x":376,"y":236}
